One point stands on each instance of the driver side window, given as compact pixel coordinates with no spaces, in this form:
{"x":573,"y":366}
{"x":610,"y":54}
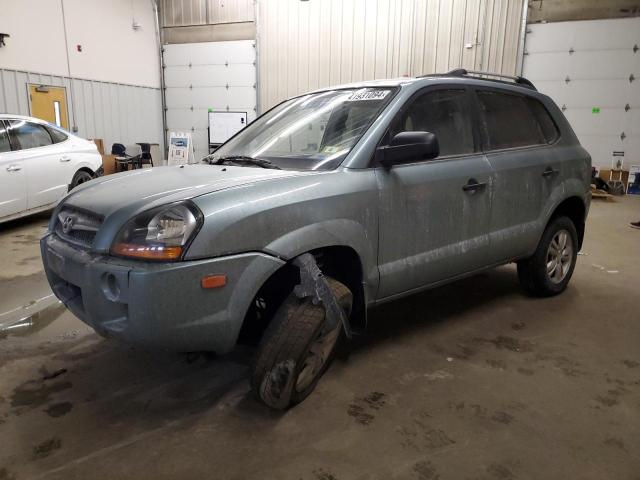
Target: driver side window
{"x":444,"y":113}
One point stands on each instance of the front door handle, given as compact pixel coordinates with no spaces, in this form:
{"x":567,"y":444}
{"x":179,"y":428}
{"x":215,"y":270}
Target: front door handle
{"x":65,"y":159}
{"x":548,"y":172}
{"x":14,"y":168}
{"x":473,"y":186}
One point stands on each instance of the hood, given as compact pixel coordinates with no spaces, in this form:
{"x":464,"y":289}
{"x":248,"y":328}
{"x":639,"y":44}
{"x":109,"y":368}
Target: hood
{"x":142,"y":189}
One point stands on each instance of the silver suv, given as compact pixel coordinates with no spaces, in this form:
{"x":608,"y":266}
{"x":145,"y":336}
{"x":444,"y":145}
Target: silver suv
{"x":328,"y":204}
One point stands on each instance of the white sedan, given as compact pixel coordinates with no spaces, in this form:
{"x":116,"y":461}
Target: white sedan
{"x":39,"y":164}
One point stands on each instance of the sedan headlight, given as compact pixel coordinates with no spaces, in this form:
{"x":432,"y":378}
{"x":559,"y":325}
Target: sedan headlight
{"x":162,"y":233}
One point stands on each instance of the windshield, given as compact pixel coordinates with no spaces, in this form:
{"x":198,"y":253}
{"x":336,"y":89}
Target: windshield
{"x":312,"y":132}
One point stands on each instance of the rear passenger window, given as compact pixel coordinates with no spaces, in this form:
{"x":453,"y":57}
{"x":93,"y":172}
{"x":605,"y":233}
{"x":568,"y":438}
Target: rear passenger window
{"x":515,"y":121}
{"x":444,"y":113}
{"x":28,"y":135}
{"x":4,"y":139}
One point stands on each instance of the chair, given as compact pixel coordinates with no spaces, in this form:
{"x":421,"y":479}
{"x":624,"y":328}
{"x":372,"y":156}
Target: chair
{"x":121,"y":158}
{"x":125,"y":156}
{"x":145,"y":156}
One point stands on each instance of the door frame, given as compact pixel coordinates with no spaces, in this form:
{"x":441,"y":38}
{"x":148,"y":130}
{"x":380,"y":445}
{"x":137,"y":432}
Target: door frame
{"x":472,"y":110}
{"x":66,"y":99}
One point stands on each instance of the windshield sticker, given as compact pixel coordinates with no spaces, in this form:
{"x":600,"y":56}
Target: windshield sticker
{"x":368,"y":95}
{"x":330,"y":149}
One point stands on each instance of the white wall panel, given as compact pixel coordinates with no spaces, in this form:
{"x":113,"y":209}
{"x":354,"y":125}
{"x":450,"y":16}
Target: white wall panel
{"x":316,"y":43}
{"x":203,"y":76}
{"x":112,"y":50}
{"x":585,"y":65}
{"x":111,"y":111}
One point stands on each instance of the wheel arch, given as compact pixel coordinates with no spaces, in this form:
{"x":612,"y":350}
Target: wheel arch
{"x":575,"y":209}
{"x":341,"y":262}
{"x":84,"y":168}
{"x":78,"y":170}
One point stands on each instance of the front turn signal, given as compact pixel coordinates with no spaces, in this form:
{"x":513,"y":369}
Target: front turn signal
{"x":147,"y":252}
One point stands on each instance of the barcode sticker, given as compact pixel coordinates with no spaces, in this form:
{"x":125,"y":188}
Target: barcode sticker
{"x":365,"y":94}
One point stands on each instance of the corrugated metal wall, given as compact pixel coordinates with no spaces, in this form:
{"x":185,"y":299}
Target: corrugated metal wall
{"x":316,"y":43}
{"x":112,"y":111}
{"x":182,"y":13}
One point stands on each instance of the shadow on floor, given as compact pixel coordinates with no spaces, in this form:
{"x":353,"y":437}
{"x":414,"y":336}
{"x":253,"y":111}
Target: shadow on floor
{"x":28,"y":221}
{"x":145,"y":389}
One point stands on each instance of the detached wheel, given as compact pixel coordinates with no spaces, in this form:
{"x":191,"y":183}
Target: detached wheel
{"x":296,"y":349}
{"x":79,"y":178}
{"x":550,"y":268}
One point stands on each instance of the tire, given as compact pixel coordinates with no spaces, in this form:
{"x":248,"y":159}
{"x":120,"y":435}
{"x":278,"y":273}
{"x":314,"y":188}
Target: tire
{"x":79,"y":178}
{"x":549,"y":270}
{"x":296,"y":349}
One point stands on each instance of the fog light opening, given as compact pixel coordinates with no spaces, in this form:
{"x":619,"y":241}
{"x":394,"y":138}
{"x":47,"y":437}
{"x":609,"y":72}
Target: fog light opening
{"x":110,"y":287}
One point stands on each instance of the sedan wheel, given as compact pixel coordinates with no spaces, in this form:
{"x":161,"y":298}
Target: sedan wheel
{"x":79,"y":178}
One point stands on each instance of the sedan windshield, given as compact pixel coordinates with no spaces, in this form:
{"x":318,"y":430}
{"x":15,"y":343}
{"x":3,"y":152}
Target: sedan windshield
{"x":312,"y":132}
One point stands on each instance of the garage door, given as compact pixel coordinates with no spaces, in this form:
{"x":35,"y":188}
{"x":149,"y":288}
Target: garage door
{"x":199,"y":77}
{"x":592,"y":70}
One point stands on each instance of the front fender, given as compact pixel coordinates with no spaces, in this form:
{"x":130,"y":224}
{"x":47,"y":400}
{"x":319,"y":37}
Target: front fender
{"x":92,"y":165}
{"x":330,"y":233}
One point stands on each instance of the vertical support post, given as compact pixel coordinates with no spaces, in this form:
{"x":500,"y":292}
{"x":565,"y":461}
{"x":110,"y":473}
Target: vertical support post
{"x":523,"y":35}
{"x":163,"y":99}
{"x":74,"y":124}
{"x":256,"y":10}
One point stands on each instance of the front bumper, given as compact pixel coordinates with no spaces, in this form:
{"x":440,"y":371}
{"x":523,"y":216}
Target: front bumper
{"x":156,"y":305}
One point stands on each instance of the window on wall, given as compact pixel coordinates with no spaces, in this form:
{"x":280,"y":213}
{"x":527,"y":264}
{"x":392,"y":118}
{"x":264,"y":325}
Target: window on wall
{"x":4,"y":139}
{"x":444,"y":113}
{"x":515,"y":121}
{"x":28,"y":135}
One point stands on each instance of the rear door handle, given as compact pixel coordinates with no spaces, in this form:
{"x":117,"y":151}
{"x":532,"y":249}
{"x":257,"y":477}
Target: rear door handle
{"x":473,"y":186}
{"x":65,"y":159}
{"x":549,"y":172}
{"x":14,"y":168}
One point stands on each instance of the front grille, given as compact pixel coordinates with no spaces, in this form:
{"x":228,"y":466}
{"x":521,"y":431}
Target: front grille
{"x":77,"y":226}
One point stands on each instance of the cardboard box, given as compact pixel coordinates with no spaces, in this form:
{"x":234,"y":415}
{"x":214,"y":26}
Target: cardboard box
{"x":109,"y":164}
{"x":607,"y":175}
{"x":100,"y":144}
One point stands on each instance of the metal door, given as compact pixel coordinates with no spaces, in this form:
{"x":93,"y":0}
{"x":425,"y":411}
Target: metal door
{"x":204,"y":77}
{"x":591,"y":69}
{"x":50,"y":104}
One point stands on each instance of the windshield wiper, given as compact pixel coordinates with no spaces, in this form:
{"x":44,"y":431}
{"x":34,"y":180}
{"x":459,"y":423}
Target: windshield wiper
{"x":260,"y":162}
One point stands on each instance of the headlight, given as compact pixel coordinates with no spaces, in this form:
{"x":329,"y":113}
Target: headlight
{"x":159,"y":234}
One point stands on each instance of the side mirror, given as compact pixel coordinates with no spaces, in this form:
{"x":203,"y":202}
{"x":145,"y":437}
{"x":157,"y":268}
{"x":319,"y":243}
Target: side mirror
{"x":408,"y":147}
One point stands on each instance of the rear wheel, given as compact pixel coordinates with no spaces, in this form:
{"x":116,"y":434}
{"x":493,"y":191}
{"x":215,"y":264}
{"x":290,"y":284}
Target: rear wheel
{"x":296,"y":349}
{"x":550,"y":268}
{"x":79,"y":178}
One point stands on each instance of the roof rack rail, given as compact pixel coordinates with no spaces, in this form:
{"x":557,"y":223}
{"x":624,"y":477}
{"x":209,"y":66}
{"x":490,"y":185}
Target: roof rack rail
{"x":461,"y":72}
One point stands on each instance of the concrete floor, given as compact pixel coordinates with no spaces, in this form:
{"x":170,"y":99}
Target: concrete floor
{"x":469,"y":381}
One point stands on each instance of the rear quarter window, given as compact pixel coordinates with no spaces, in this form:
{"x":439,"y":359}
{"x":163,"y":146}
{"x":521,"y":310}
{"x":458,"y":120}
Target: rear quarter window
{"x":548,"y":127}
{"x":512,"y":121}
{"x":56,"y":135}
